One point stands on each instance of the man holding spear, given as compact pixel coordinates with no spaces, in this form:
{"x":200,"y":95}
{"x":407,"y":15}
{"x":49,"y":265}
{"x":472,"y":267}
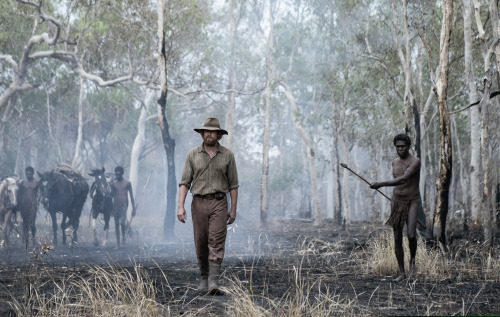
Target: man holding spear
{"x":404,"y":202}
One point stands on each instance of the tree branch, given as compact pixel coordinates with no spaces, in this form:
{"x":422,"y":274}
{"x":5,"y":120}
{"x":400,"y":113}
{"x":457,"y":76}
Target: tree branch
{"x":493,"y":94}
{"x":10,"y":60}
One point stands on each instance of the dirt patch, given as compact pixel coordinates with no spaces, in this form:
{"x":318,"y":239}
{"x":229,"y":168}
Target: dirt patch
{"x":292,"y":266}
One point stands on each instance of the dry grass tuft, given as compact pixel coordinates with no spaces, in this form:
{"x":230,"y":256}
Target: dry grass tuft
{"x":107,"y":292}
{"x":467,"y":262}
{"x":309,"y":273}
{"x":305,"y":297}
{"x":380,"y":259}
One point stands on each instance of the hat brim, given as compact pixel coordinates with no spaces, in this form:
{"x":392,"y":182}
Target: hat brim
{"x":200,"y":130}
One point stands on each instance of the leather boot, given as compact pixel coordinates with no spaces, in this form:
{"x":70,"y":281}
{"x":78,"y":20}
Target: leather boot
{"x":203,"y":287}
{"x":213,"y":278}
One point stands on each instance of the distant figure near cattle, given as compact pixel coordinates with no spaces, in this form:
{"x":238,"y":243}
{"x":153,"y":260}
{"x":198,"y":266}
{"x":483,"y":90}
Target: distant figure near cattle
{"x":404,"y":202}
{"x":64,"y":190}
{"x":8,"y":202}
{"x":102,"y":203}
{"x":28,"y":203}
{"x":121,"y":188}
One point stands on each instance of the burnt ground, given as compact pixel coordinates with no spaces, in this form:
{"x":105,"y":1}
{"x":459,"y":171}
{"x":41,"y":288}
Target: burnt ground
{"x":268,"y":266}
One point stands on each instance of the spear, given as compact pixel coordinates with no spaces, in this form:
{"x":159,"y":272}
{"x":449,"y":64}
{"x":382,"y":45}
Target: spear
{"x":344,"y":165}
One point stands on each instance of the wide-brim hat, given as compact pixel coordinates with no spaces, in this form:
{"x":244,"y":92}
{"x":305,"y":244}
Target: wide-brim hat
{"x":211,"y":124}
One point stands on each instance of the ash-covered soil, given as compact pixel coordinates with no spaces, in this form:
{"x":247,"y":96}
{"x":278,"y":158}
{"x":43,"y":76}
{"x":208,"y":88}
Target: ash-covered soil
{"x":268,"y":265}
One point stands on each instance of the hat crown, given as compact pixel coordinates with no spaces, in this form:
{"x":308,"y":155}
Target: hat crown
{"x":212,"y":123}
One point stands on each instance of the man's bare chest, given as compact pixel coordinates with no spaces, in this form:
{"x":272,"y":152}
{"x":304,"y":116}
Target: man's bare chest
{"x":399,"y":168}
{"x":120,"y":187}
{"x":27,"y":185}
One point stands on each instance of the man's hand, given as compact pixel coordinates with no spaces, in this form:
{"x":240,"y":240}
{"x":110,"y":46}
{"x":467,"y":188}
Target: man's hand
{"x":134,"y":211}
{"x":376,"y":185}
{"x":231,"y":216}
{"x":181,"y":214}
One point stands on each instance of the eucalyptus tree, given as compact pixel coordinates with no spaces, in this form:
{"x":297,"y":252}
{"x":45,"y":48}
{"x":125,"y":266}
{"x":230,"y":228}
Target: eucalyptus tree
{"x":475,"y":154}
{"x":180,"y":35}
{"x":295,"y":71}
{"x":483,"y":213}
{"x":261,"y":9}
{"x":47,"y":40}
{"x":235,"y":12}
{"x":441,"y":90}
{"x":68,"y":37}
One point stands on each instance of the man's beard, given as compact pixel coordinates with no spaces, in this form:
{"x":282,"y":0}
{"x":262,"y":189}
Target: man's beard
{"x":209,"y":142}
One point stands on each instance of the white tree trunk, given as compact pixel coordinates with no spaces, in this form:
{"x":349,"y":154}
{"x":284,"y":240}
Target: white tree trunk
{"x":405,"y":60}
{"x":310,"y":154}
{"x":49,"y":126}
{"x":475,"y":123}
{"x":139,"y":140}
{"x":232,"y":78}
{"x":346,"y":205}
{"x":441,"y":90}
{"x":486,"y":206}
{"x":77,"y":159}
{"x":264,"y":200}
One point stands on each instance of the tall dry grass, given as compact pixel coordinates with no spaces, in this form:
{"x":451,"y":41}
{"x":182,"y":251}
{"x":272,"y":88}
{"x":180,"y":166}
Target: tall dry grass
{"x":305,"y":297}
{"x":467,"y":261}
{"x":115,"y":291}
{"x":106,"y":292}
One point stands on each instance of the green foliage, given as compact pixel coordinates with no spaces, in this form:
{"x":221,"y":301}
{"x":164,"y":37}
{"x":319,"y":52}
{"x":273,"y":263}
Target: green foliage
{"x":330,"y":53}
{"x":17,"y":22}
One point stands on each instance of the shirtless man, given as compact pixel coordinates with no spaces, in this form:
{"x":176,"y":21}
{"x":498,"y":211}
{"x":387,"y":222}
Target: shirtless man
{"x":28,"y":203}
{"x":404,"y":203}
{"x":120,"y":190}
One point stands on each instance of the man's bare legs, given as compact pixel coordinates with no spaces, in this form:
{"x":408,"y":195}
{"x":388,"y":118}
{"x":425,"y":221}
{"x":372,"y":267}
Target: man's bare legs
{"x":411,"y":229}
{"x":412,"y":236}
{"x":400,"y":253}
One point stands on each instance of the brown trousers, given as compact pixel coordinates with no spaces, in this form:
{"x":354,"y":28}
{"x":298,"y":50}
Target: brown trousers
{"x":210,"y":230}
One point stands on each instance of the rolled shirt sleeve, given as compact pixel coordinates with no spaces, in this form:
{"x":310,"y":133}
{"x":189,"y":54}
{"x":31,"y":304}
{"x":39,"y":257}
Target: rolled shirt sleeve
{"x":232,"y":174}
{"x":187,"y":173}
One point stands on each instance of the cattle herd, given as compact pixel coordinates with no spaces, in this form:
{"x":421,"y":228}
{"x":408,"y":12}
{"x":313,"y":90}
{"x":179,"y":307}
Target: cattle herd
{"x":62,"y":190}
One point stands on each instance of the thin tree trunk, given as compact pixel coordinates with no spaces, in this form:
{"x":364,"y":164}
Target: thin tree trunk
{"x":486,"y":206}
{"x":461,"y":177}
{"x":310,"y":154}
{"x":405,"y":60}
{"x":18,"y":168}
{"x":346,"y":206}
{"x":446,"y":160}
{"x":168,"y":142}
{"x":139,"y":140}
{"x":336,"y":127}
{"x":337,"y":214}
{"x":232,"y":77}
{"x":281,"y":211}
{"x":49,"y":126}
{"x":264,"y":200}
{"x":77,"y":160}
{"x":488,"y":211}
{"x":338,"y":114}
{"x":475,"y":124}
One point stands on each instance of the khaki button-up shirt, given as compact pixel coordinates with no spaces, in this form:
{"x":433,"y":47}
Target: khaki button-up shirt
{"x":205,"y":175}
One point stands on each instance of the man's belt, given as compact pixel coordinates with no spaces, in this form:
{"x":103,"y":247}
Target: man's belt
{"x":218,"y":196}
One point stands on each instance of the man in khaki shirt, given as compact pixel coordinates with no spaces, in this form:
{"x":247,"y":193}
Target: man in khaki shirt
{"x":210,"y":172}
